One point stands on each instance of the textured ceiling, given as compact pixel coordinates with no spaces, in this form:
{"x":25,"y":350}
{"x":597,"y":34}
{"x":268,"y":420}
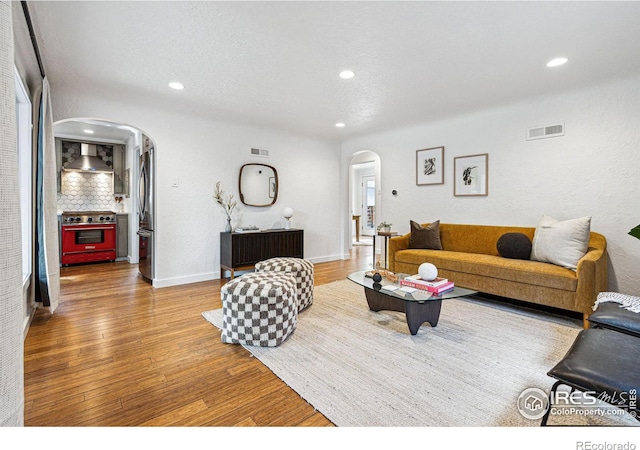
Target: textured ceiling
{"x":276,"y":63}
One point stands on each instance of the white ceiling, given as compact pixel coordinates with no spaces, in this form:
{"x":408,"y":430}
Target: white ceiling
{"x":276,"y":63}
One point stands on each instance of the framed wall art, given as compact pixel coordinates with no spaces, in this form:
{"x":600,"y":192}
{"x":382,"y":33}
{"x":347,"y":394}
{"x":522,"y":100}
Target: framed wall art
{"x":430,"y":166}
{"x":471,"y":175}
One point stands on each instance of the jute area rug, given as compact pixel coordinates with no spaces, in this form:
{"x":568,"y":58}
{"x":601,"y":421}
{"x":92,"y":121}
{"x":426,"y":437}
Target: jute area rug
{"x":364,"y":368}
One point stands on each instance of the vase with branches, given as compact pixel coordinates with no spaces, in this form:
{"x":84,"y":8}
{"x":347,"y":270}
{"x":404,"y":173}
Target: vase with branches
{"x":226,"y":203}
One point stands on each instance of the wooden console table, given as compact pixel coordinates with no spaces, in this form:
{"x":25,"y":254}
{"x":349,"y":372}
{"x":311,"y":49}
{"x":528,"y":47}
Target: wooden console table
{"x":241,"y":251}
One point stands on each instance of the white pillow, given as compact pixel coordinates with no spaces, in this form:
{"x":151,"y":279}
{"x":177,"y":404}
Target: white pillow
{"x":561,"y":243}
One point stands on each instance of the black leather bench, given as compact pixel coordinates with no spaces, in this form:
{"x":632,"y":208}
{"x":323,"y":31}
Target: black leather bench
{"x":615,"y":317}
{"x":604,"y":361}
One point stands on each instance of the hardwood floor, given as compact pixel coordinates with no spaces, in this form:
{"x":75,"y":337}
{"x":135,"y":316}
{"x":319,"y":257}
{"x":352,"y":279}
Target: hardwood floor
{"x":118,"y":352}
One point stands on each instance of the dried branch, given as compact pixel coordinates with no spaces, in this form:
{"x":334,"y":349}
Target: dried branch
{"x":227,"y":205}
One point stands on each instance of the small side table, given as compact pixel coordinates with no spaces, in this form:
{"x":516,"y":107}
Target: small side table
{"x":386,"y":235}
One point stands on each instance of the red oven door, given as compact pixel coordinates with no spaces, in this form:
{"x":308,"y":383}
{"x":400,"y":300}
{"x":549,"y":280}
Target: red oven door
{"x":88,"y":243}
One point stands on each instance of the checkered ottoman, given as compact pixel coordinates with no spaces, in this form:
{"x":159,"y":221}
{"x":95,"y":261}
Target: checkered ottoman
{"x":302,"y":269}
{"x":259,"y":309}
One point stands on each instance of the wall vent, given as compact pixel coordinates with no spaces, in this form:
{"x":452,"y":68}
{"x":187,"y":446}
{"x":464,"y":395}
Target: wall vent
{"x":260,"y":152}
{"x":545,"y":131}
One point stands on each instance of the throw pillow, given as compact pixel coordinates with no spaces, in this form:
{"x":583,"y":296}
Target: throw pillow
{"x":514,"y":246}
{"x":425,"y":237}
{"x":561,"y":243}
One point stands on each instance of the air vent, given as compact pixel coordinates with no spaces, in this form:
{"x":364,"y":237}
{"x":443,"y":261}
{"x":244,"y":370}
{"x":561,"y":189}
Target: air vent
{"x":260,"y":152}
{"x":545,"y":131}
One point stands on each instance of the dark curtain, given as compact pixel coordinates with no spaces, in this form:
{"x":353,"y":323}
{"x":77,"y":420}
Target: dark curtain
{"x":40,"y":266}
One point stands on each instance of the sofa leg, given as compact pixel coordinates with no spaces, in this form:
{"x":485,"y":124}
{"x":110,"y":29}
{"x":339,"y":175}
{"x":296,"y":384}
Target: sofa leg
{"x":585,"y":321}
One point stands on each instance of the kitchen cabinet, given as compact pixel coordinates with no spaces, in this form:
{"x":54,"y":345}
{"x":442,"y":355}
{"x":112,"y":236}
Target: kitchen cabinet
{"x":58,"y":145}
{"x":119,"y":170}
{"x":60,"y":238}
{"x":122,"y":236}
{"x":241,"y":251}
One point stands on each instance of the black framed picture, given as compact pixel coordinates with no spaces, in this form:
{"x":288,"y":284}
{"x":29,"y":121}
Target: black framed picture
{"x":430,"y":166}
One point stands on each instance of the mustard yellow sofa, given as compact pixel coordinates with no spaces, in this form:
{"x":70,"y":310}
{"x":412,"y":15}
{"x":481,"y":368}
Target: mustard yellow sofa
{"x":470,"y":258}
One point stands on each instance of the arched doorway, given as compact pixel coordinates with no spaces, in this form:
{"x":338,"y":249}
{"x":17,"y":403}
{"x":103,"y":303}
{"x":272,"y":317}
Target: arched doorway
{"x":121,"y":146}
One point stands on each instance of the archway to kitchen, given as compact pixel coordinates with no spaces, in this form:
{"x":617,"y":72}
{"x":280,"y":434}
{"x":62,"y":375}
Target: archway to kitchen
{"x":121,"y":185}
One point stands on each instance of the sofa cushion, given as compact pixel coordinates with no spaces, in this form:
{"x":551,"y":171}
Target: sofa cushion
{"x":497,"y":267}
{"x":514,"y":246}
{"x":427,"y":237}
{"x":561,"y":243}
{"x":476,"y":238}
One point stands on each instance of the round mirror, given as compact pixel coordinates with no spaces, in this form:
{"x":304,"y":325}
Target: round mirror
{"x":258,"y":185}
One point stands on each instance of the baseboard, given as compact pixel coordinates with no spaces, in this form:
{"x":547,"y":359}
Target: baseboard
{"x":176,"y":281}
{"x":321,"y":259}
{"x":27,"y":323}
{"x":209,"y":276}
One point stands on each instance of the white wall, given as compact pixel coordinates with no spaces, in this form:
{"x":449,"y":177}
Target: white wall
{"x":591,"y":171}
{"x":199,"y":152}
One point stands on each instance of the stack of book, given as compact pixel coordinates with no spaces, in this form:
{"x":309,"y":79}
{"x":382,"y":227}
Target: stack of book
{"x":248,"y":229}
{"x":436,"y":286}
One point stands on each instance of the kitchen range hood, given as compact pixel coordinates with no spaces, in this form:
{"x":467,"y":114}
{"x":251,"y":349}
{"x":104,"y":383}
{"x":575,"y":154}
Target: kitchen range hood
{"x":88,"y":161}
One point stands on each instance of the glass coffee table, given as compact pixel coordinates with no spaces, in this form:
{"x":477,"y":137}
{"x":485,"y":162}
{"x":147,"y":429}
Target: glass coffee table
{"x":419,"y":306}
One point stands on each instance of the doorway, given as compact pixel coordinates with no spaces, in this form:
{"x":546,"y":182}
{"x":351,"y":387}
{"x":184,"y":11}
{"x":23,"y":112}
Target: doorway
{"x":368,"y":206}
{"x":119,"y":196}
{"x":364,"y":198}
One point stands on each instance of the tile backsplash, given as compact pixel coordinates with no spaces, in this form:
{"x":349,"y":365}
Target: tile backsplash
{"x":70,"y":150}
{"x":82,"y":191}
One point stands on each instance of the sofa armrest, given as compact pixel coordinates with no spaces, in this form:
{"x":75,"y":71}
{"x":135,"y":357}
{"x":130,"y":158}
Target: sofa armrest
{"x":592,"y":274}
{"x":397,"y":243}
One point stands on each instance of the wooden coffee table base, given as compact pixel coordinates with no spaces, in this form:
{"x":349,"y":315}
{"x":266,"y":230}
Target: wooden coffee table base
{"x":416,"y":313}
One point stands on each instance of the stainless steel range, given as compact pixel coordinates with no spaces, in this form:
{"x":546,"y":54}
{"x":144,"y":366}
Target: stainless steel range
{"x":88,"y":236}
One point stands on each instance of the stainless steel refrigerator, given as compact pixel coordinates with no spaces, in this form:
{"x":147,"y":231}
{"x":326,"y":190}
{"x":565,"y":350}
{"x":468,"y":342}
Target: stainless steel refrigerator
{"x":145,"y":210}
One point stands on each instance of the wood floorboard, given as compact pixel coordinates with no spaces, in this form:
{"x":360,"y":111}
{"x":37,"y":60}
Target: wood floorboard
{"x":119,"y":352}
{"x":81,"y":381}
{"x":175,"y":416}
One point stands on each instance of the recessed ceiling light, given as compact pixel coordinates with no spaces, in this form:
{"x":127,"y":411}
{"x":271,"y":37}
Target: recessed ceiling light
{"x":557,"y":62}
{"x":346,"y":74}
{"x":176,"y":85}
{"x":88,"y":131}
{"x":340,"y":125}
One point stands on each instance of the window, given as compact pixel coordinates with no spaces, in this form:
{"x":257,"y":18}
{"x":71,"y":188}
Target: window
{"x":23,"y":121}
